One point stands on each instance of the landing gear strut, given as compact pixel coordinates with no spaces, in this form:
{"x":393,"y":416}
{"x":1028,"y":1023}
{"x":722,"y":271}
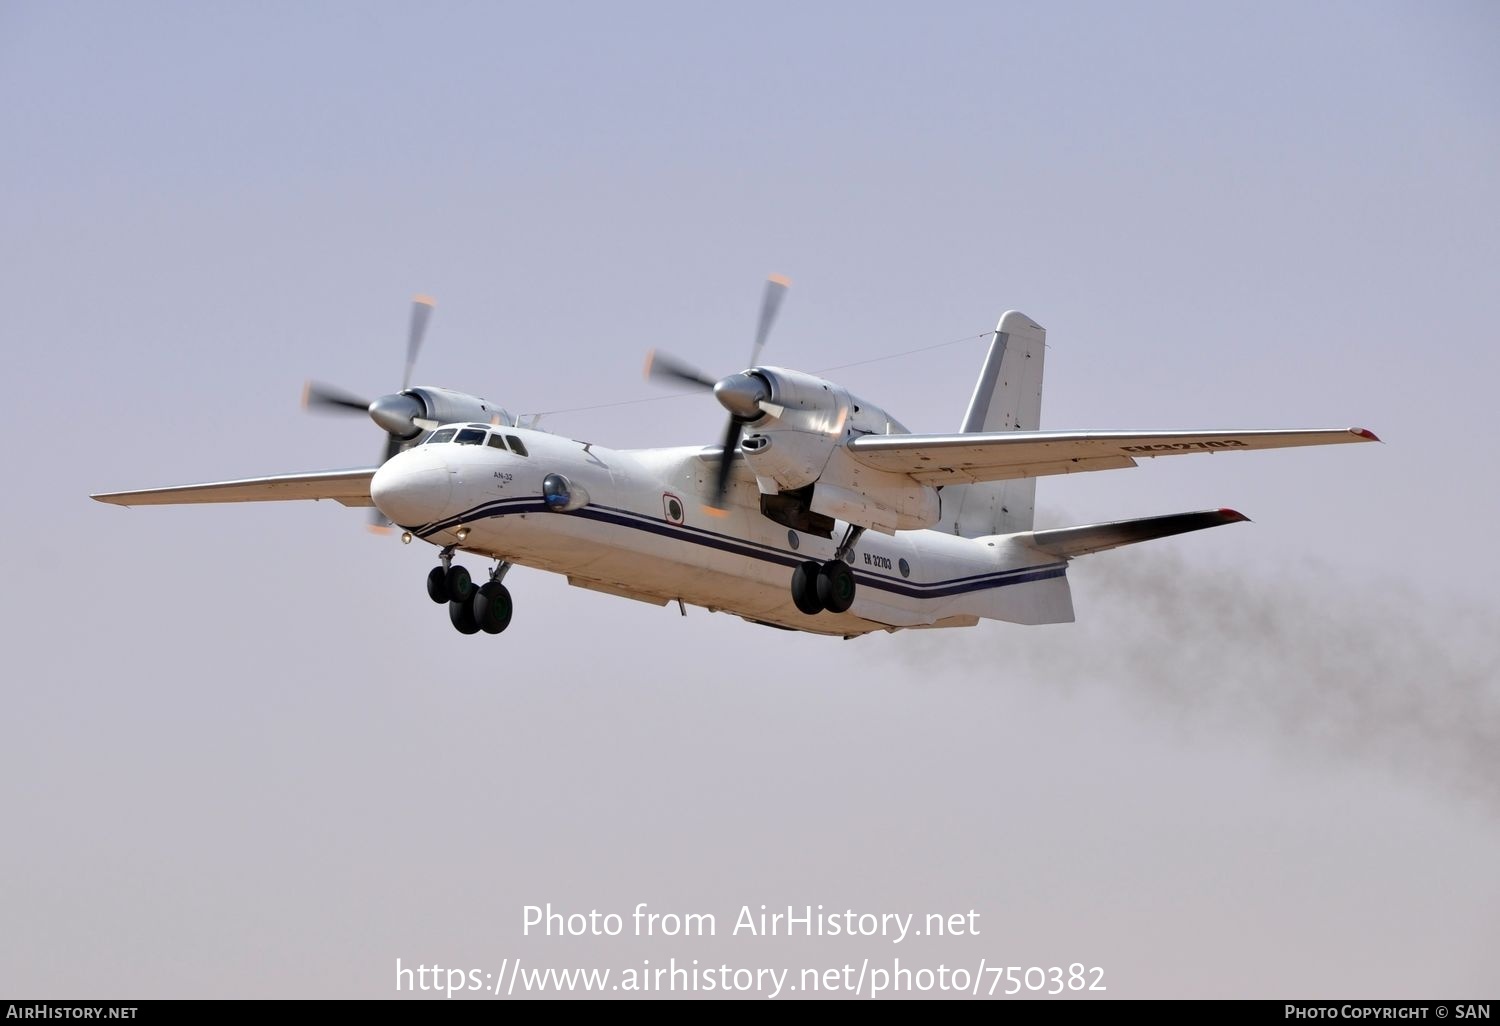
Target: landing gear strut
{"x":486,"y":607}
{"x":830,"y":585}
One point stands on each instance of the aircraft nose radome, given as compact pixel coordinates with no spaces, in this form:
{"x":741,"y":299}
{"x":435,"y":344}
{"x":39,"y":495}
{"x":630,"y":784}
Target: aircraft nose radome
{"x":412,"y":489}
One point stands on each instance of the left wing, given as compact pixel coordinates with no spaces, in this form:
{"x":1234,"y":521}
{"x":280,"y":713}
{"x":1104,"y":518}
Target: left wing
{"x":1001,"y":455}
{"x":350,"y":487}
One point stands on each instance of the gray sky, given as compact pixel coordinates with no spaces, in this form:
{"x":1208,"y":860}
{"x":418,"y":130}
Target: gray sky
{"x":247,"y":757}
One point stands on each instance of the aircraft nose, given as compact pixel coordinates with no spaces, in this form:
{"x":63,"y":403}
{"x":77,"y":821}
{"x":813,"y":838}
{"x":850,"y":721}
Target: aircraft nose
{"x":413,"y":487}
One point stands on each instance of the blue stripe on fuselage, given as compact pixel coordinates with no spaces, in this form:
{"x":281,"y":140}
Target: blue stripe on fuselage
{"x":741,"y":547}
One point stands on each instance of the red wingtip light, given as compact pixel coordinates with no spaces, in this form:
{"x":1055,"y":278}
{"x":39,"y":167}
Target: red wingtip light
{"x":1233,"y":515}
{"x":1365,"y":433}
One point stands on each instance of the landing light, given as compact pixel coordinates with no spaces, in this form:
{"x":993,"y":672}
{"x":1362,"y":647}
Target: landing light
{"x":463,"y":532}
{"x":405,"y":537}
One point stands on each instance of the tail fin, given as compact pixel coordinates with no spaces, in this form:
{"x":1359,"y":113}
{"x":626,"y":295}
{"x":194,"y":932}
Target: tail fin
{"x":1007,"y":397}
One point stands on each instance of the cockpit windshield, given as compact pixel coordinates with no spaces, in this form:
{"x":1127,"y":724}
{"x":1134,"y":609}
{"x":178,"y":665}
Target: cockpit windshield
{"x":475,"y":434}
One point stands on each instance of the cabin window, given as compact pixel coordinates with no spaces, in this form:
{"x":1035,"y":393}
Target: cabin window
{"x":515,"y":445}
{"x":496,"y":442}
{"x":471,"y":436}
{"x":445,"y":435}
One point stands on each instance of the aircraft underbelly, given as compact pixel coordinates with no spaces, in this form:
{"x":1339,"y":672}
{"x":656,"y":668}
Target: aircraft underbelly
{"x":652,"y":567}
{"x":739,"y":570}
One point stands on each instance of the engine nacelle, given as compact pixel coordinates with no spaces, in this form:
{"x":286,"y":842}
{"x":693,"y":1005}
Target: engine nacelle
{"x":805,"y":477}
{"x":398,"y":413}
{"x":788,"y":450}
{"x":449,"y":407}
{"x":888,"y":506}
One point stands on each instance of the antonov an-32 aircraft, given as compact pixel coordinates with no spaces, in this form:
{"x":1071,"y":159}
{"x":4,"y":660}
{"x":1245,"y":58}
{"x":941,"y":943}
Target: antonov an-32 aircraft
{"x":817,"y":512}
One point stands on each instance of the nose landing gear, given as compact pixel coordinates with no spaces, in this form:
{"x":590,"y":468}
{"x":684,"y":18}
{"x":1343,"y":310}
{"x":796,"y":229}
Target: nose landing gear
{"x":448,"y":583}
{"x":491,"y":607}
{"x":486,"y":607}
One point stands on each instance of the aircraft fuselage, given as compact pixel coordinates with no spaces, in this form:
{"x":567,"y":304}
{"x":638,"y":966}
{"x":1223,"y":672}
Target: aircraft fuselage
{"x":635,"y":523}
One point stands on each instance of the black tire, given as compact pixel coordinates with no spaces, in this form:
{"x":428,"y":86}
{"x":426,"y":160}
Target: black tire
{"x":836,"y":586}
{"x":460,"y":586}
{"x":492,"y":607}
{"x":437,"y":584}
{"x":805,"y":588}
{"x":462,"y":615}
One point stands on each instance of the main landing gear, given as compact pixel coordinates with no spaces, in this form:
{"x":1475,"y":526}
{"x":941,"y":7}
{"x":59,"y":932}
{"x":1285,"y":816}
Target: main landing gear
{"x":819,"y":586}
{"x":472,"y":608}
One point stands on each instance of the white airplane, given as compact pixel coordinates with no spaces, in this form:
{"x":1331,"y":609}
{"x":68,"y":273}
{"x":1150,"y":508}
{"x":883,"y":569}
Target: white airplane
{"x":818,"y":512}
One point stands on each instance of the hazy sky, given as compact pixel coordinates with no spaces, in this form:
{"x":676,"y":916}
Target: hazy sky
{"x":246,"y":756}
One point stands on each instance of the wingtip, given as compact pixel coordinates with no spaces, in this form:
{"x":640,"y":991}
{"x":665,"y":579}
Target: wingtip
{"x":1233,"y":516}
{"x":650,"y":359}
{"x":423,"y":299}
{"x":780,"y":279}
{"x":1365,"y":433}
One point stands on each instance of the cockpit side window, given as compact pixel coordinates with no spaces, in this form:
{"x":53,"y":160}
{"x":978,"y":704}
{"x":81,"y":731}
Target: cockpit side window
{"x":470,"y":436}
{"x":497,"y":442}
{"x":515,"y":445}
{"x":445,"y":435}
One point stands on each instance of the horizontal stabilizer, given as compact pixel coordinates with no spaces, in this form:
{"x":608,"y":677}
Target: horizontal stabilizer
{"x":1080,"y":541}
{"x":350,"y":487}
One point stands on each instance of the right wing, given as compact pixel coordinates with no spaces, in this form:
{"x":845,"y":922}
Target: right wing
{"x":350,"y":487}
{"x":1002,"y":455}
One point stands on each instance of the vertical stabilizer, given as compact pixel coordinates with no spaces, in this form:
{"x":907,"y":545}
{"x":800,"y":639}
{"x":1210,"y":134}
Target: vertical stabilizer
{"x":1007,"y":397}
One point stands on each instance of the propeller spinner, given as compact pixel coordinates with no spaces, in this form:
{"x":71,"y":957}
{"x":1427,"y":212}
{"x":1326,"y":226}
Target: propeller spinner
{"x":399,"y":415}
{"x":746,"y":395}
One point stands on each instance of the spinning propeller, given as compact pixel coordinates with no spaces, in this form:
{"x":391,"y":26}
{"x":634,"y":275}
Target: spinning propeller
{"x":399,"y":415}
{"x":746,"y":395}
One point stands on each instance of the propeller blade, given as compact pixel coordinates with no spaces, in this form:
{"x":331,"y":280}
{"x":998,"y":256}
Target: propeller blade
{"x":770,"y":303}
{"x":317,"y":396}
{"x":421,"y":313}
{"x":393,"y":413}
{"x":663,"y":367}
{"x":393,"y":445}
{"x":726,"y":457}
{"x":379,"y":522}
